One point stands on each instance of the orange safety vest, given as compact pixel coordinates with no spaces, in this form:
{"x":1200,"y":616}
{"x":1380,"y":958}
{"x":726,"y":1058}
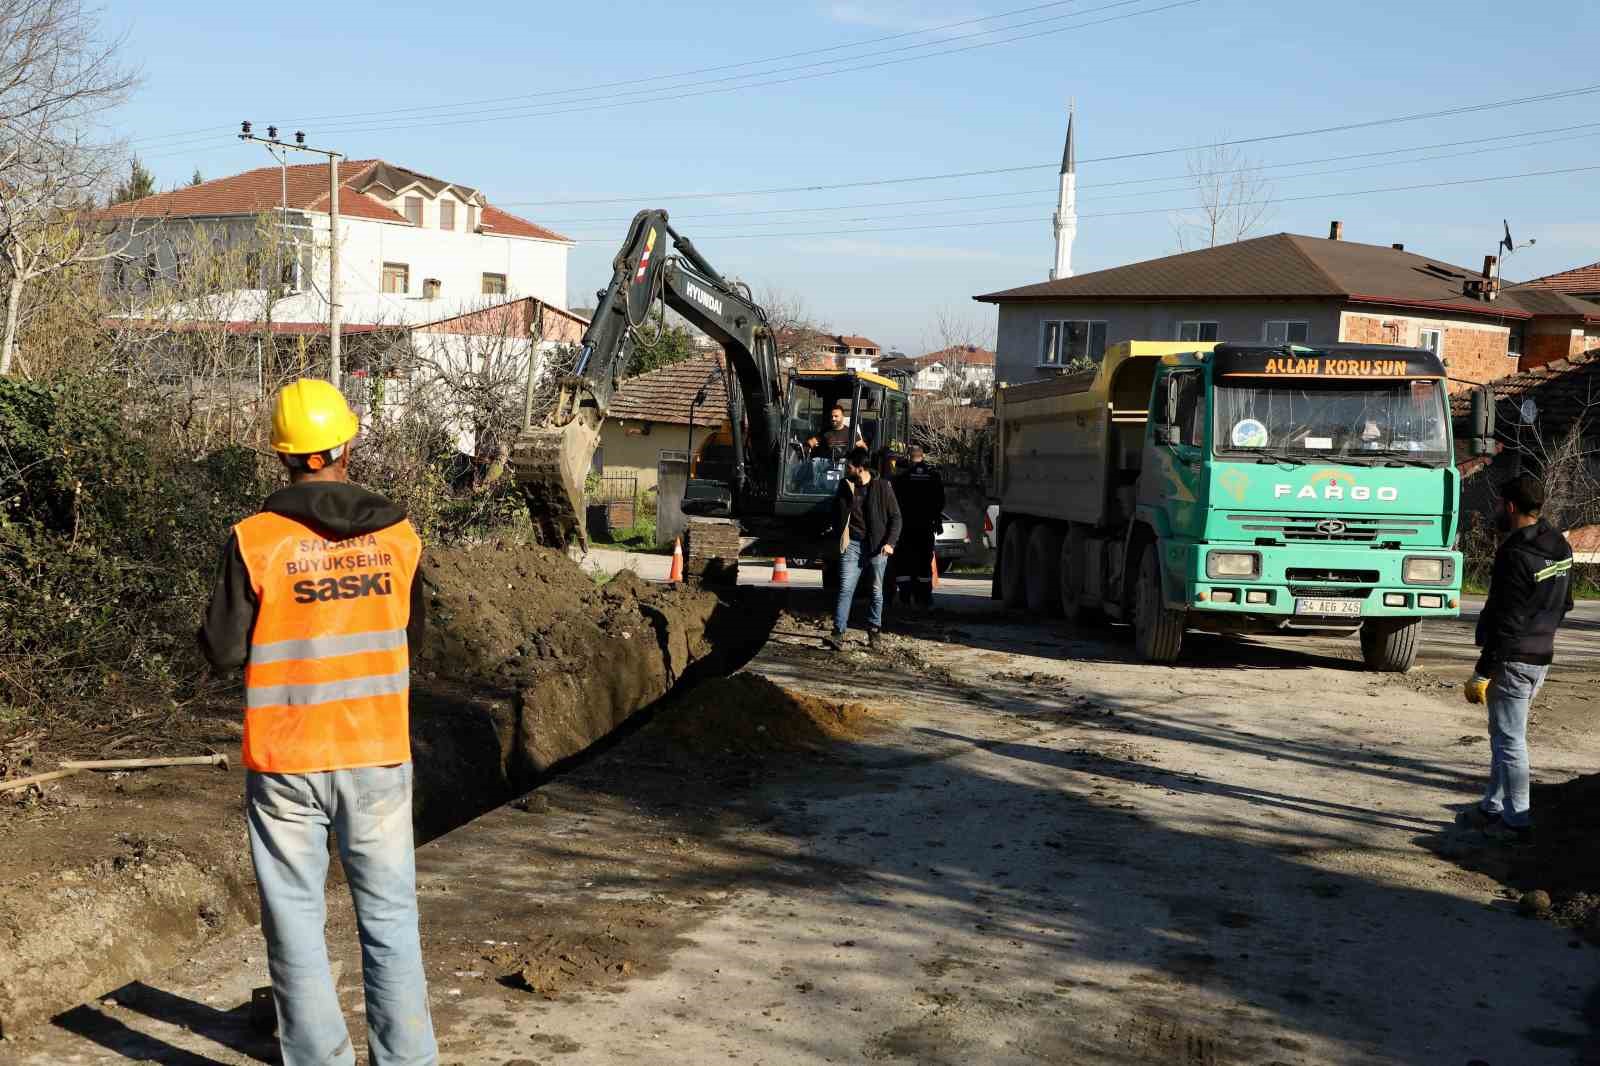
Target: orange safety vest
{"x":328,"y":680}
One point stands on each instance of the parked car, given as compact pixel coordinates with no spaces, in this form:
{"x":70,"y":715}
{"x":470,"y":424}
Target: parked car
{"x":991,"y":519}
{"x":952,"y":540}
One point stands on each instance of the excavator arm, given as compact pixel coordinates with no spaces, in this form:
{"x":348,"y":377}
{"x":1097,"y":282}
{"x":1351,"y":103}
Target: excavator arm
{"x":552,"y":460}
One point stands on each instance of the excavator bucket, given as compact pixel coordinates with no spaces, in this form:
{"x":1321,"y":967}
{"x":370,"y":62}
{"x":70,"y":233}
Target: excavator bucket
{"x":551,"y":463}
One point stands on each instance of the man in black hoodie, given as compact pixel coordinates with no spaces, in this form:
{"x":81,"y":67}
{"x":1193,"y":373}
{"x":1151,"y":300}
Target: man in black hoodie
{"x":318,"y":599}
{"x":866,"y":518}
{"x":1530,"y":592}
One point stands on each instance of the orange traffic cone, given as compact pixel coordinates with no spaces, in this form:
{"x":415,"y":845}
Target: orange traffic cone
{"x":780,"y":571}
{"x":935,"y":571}
{"x":676,"y":574}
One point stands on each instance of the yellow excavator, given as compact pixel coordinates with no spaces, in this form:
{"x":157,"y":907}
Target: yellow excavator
{"x":780,"y":475}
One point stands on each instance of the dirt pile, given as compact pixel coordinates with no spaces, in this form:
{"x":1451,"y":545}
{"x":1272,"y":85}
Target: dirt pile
{"x":747,"y":716}
{"x":528,"y":662}
{"x":622,"y":940}
{"x":1563,"y":860}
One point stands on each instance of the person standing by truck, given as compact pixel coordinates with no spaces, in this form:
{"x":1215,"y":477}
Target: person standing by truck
{"x":866,"y":518}
{"x":1530,"y":592}
{"x":318,"y":599}
{"x":920,"y":490}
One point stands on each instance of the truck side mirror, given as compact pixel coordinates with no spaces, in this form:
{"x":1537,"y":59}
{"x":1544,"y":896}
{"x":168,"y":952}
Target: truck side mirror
{"x":1483,"y":420}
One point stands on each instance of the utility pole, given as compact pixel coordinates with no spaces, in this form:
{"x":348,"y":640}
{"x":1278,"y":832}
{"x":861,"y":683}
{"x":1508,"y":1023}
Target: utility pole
{"x":335,"y":368}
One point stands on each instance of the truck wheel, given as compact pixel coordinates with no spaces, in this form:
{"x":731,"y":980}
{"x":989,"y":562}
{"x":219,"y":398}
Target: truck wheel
{"x":1014,"y":565}
{"x":1043,"y":578}
{"x":1070,"y":573}
{"x":1389,"y":645}
{"x":1157,"y":631}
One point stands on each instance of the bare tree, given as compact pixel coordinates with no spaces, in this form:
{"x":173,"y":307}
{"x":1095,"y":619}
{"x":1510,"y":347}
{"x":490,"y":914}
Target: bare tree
{"x":57,"y":75}
{"x":1235,"y":200}
{"x":797,"y":335}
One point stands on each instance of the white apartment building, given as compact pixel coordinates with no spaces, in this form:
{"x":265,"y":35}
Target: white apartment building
{"x":422,"y":246}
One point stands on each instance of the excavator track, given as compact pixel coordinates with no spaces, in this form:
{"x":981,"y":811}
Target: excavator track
{"x":550,"y":464}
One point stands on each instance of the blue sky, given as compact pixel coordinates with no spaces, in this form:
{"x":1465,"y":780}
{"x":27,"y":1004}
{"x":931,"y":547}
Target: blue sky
{"x":403,"y":81}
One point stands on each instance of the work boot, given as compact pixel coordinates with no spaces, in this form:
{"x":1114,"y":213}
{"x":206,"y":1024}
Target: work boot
{"x":872,"y":639}
{"x":1475,"y":817}
{"x":834,"y":642}
{"x":1514,"y":836}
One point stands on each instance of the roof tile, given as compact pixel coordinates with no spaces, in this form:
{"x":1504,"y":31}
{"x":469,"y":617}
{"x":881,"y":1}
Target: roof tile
{"x":1281,"y":266}
{"x":665,"y":395}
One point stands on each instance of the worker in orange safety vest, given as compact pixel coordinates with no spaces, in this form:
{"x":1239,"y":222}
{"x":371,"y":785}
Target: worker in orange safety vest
{"x":317,"y":598}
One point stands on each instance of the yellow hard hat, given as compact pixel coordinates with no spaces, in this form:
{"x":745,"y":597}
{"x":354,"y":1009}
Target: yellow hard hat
{"x":312,"y":416}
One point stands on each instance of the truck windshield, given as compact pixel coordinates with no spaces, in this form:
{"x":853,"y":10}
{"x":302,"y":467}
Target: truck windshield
{"x":1375,"y":420}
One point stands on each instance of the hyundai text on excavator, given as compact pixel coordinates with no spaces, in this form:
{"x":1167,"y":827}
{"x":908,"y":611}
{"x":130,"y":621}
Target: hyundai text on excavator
{"x":779,"y":476}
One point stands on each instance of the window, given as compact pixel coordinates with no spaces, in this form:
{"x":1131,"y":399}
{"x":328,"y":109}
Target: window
{"x":1286,"y":332}
{"x":447,"y":214}
{"x":1332,"y":419}
{"x":396,"y":278}
{"x":1062,"y":343}
{"x":414,"y":210}
{"x":472,"y":219}
{"x":1186,"y":407}
{"x":494,"y":284}
{"x":1431,"y":339}
{"x":1197,"y":331}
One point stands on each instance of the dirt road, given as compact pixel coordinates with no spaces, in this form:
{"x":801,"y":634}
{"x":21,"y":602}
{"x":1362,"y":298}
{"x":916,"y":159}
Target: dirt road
{"x":1052,"y":854}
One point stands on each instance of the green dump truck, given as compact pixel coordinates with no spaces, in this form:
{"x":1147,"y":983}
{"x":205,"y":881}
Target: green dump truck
{"x":1235,"y":489}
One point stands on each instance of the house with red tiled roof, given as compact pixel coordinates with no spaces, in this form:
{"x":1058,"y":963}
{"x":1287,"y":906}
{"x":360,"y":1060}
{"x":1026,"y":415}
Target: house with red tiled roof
{"x":657,"y":420}
{"x":966,"y":364}
{"x":1293,"y":289}
{"x":404,"y":235}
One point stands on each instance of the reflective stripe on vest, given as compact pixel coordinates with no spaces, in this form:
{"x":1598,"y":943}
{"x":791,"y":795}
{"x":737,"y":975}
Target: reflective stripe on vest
{"x":327,"y":683}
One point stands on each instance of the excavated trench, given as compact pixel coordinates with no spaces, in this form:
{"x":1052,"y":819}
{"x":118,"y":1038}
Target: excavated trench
{"x":527,"y":665}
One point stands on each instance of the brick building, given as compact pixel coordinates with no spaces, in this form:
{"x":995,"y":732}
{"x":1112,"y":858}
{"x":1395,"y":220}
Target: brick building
{"x":1292,"y":289}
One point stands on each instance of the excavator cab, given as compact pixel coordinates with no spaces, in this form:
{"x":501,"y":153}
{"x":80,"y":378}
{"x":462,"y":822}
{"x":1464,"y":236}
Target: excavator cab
{"x":876,"y":414}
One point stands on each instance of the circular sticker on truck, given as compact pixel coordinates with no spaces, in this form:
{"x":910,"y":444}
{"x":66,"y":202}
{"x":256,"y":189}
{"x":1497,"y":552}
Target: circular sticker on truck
{"x":1249,"y":433}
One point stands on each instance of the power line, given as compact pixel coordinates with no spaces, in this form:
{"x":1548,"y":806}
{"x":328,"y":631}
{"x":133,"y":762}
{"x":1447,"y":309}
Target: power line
{"x":1035,"y":219}
{"x":647,"y":78}
{"x":675,"y":96}
{"x":1493,"y":105}
{"x":1592,"y":126}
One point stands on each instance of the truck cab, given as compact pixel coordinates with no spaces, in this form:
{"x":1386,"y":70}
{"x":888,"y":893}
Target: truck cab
{"x":1252,"y":489}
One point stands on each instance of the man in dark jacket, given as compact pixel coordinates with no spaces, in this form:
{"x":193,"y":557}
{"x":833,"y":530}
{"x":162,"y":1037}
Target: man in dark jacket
{"x":1530,"y":592}
{"x":866,"y":518}
{"x":920,"y":490}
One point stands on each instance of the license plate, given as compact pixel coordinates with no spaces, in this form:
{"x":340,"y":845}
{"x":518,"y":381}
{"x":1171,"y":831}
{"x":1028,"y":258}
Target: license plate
{"x":1334,"y":606}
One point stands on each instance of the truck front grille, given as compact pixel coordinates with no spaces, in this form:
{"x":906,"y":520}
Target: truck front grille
{"x":1346,"y":528}
{"x":1329,"y":592}
{"x":1317,"y":573}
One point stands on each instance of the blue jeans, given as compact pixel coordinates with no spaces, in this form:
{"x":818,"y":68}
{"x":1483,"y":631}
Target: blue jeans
{"x":851,"y":567}
{"x":1513,"y":687}
{"x":370,"y":811}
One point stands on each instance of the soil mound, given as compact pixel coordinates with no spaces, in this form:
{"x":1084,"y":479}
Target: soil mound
{"x":1563,"y":860}
{"x":528,"y":662}
{"x":748,"y":716}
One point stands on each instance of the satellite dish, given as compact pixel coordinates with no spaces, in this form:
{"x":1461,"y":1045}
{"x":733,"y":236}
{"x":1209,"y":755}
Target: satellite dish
{"x":1529,"y":411}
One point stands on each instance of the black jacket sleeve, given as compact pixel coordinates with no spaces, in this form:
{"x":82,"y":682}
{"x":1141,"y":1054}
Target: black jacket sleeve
{"x":891,"y":506}
{"x":231,"y":615}
{"x":1508,"y":611}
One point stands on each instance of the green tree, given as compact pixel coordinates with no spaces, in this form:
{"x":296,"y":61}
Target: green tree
{"x":140,"y":183}
{"x":667,"y":345}
{"x":195,"y":178}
